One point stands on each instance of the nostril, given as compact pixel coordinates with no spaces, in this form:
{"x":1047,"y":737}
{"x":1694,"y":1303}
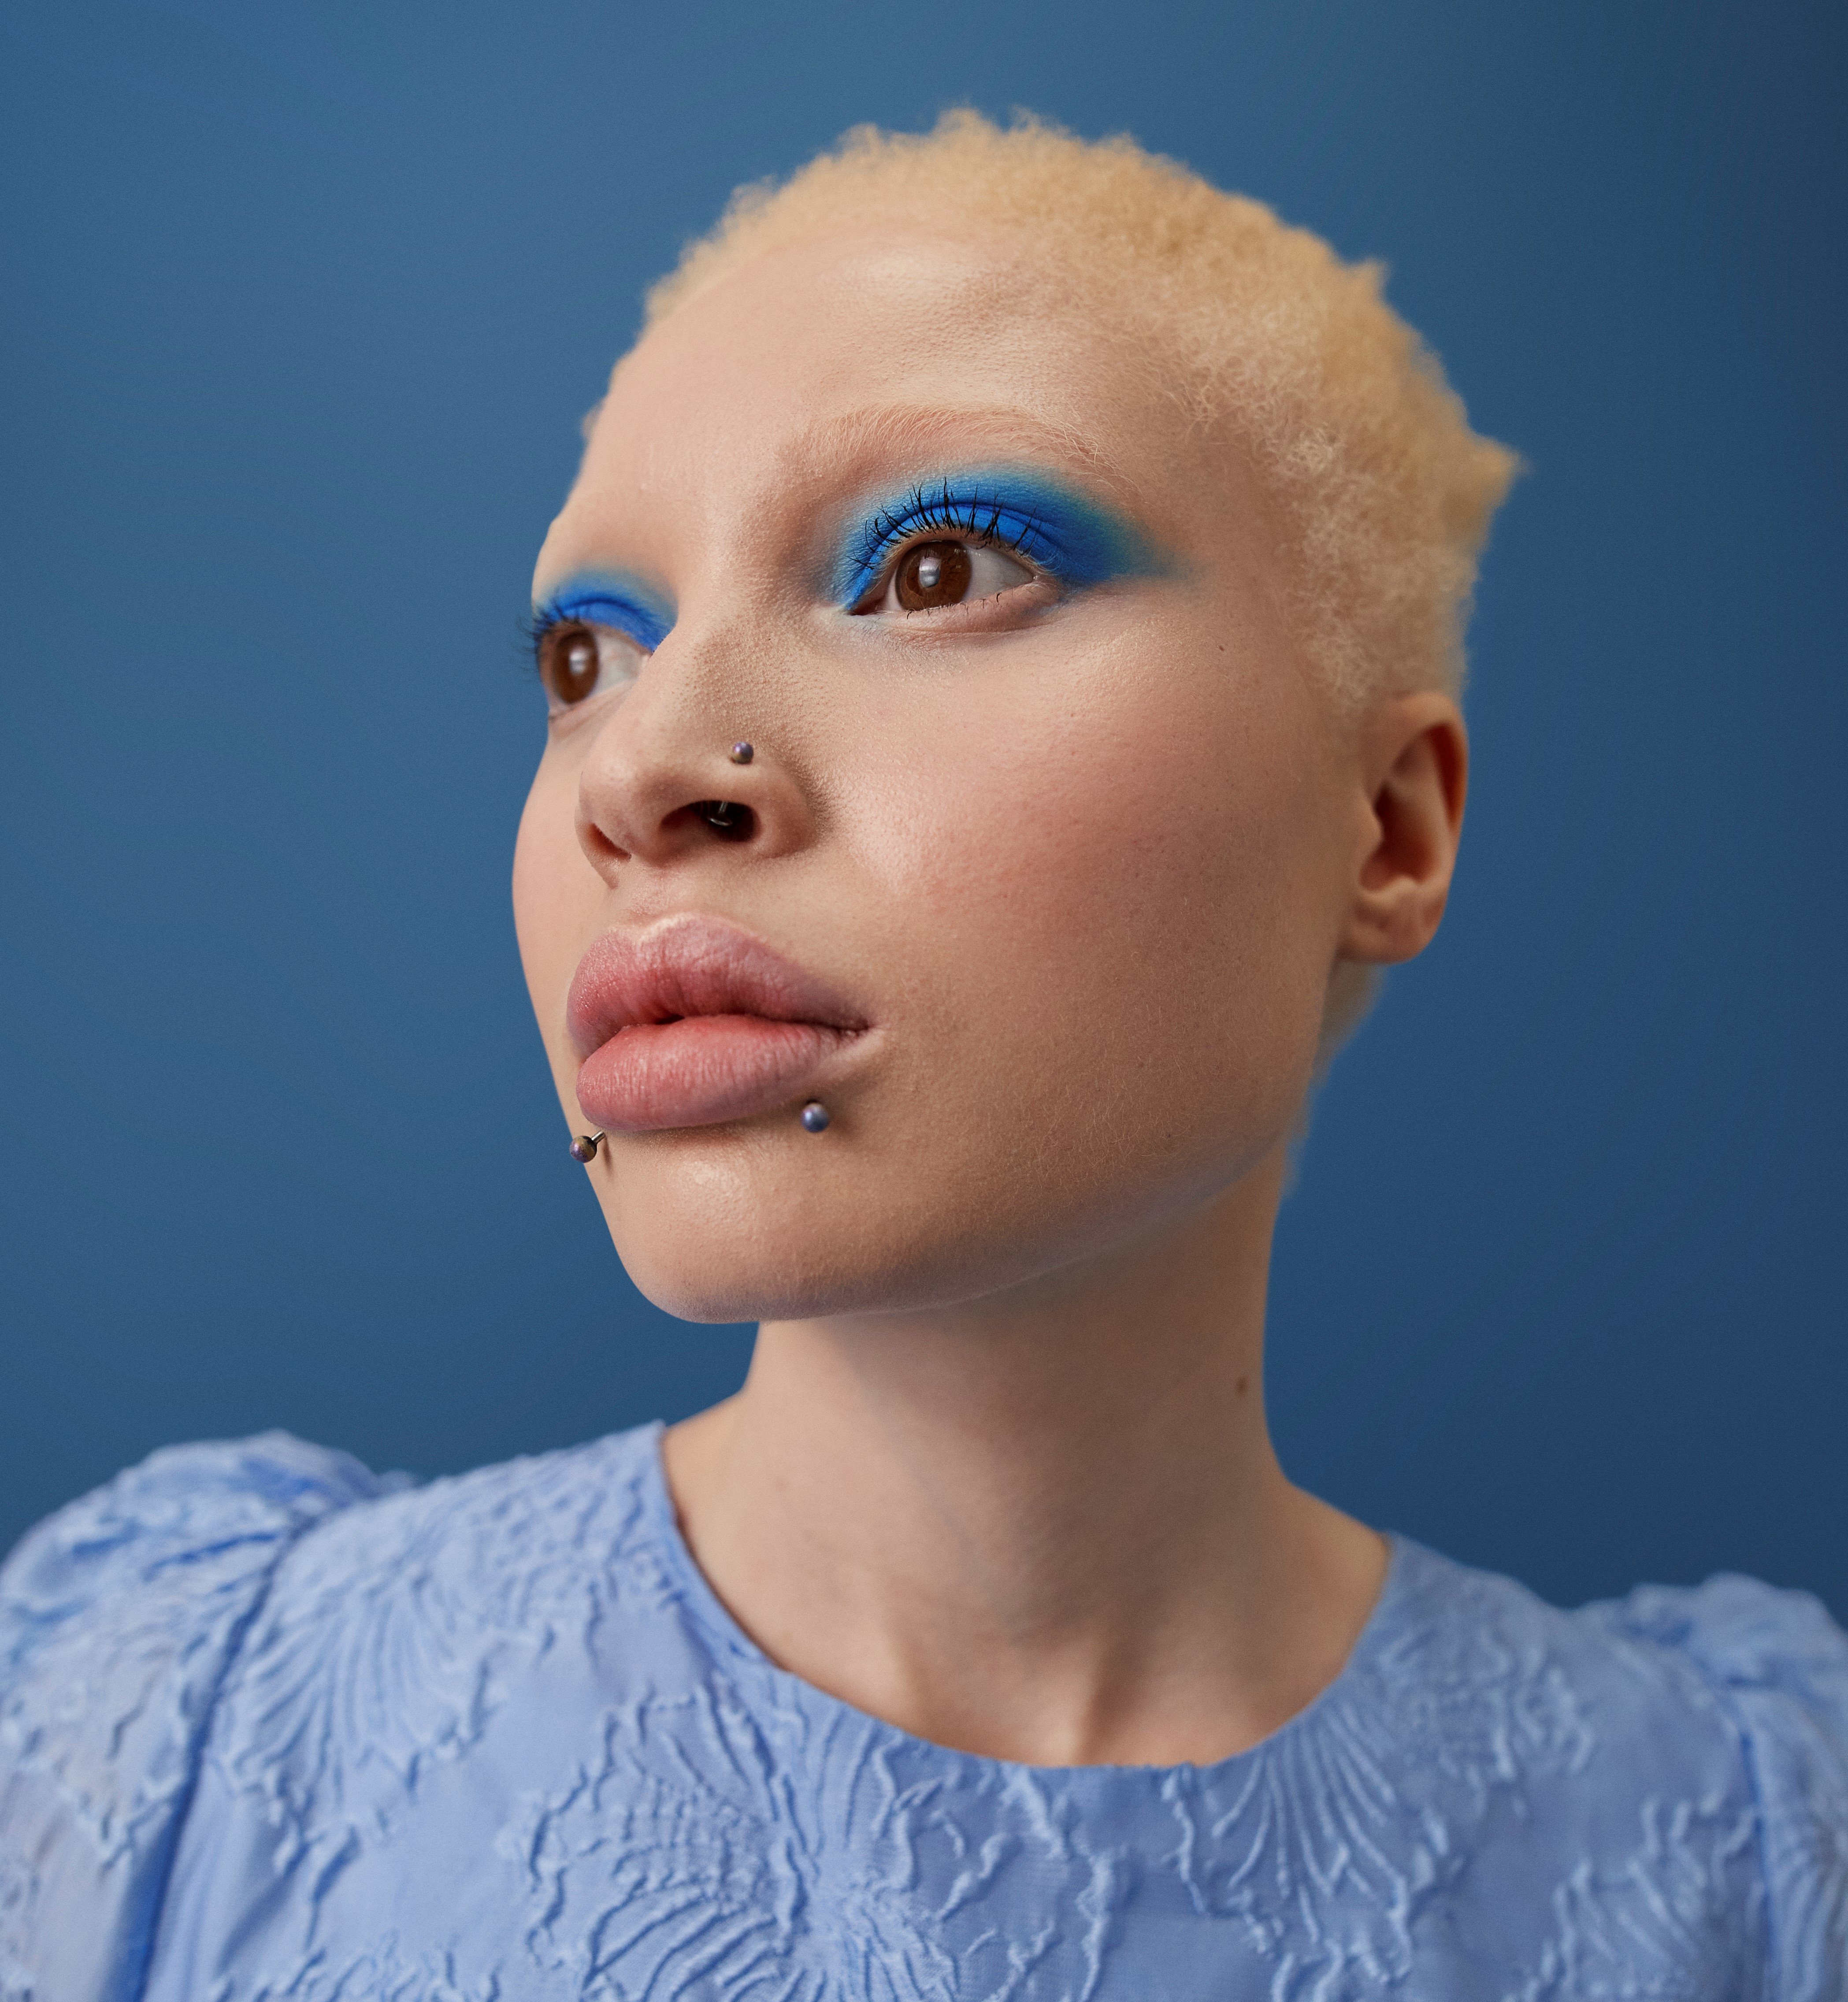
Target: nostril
{"x":599,"y":846}
{"x":727,"y":818}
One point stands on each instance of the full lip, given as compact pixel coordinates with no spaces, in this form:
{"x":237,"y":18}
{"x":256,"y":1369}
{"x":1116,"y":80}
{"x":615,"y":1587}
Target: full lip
{"x":694,"y":1022}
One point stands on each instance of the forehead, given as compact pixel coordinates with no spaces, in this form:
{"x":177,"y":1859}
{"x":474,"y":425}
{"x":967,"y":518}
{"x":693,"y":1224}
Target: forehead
{"x":811,"y":365}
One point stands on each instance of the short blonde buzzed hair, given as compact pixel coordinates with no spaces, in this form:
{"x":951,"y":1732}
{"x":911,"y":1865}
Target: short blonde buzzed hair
{"x":1384,"y":491}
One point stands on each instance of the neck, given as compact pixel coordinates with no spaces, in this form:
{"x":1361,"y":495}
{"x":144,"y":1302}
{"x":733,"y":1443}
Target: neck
{"x":1047,"y":1525}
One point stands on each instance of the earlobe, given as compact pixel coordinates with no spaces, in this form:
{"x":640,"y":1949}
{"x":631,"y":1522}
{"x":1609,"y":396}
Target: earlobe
{"x":1413,"y":778}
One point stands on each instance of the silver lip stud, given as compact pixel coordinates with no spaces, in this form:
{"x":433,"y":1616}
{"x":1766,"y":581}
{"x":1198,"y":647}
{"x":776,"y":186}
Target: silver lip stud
{"x":742,"y":753}
{"x":584,"y":1149}
{"x":815,"y":1117}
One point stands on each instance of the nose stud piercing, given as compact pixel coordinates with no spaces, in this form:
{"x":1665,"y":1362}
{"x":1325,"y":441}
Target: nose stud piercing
{"x":584,"y":1149}
{"x":814,"y":1116}
{"x":726,"y":817}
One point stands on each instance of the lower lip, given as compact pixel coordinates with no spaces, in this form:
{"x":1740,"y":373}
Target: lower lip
{"x":701,"y":1070}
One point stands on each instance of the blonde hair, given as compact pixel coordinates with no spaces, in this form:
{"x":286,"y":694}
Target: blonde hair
{"x":1384,"y":491}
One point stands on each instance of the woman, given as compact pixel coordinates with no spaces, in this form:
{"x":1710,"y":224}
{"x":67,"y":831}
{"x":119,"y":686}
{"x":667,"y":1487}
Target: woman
{"x":1002,"y":649}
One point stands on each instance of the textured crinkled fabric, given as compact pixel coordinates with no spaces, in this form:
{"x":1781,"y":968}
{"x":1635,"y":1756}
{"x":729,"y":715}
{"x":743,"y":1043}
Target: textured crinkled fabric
{"x":272,"y":1728}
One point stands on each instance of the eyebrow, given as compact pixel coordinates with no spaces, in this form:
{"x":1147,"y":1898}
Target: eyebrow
{"x":1046,"y":479}
{"x":974,"y":433}
{"x":834,"y":464}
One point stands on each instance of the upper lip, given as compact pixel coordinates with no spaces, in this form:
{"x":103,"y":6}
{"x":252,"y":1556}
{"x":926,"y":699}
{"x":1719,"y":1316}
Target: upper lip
{"x":693,"y":965}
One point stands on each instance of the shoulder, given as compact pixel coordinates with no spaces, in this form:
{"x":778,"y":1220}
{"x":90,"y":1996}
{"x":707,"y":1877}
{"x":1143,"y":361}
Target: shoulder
{"x":420,"y":1671}
{"x":494,"y":1553}
{"x":118,"y":1617}
{"x":1778,"y":1665}
{"x":396,"y":1633}
{"x":1697,"y":1734}
{"x":1744,"y":1636}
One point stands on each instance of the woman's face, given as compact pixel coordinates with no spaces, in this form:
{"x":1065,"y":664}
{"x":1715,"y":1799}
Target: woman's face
{"x":1041,"y":859}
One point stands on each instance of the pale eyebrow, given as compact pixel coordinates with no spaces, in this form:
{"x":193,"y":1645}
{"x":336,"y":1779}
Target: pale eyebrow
{"x":830,"y":462}
{"x":831,"y":448}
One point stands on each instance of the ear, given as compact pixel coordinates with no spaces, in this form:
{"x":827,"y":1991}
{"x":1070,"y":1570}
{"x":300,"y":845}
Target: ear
{"x":1414,"y":770}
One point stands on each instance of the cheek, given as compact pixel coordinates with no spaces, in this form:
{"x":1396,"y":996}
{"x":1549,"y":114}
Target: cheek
{"x":1093,"y":902}
{"x":1135,"y":843}
{"x":550,"y":881}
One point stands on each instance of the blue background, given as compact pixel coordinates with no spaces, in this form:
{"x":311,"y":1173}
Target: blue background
{"x":301,"y":308}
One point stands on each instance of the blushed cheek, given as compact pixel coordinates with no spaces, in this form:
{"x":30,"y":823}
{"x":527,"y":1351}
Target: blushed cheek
{"x":547,"y":864}
{"x":1135,"y":905}
{"x":1134,"y":825}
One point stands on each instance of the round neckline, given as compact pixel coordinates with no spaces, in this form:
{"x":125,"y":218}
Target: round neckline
{"x":713,"y":1614}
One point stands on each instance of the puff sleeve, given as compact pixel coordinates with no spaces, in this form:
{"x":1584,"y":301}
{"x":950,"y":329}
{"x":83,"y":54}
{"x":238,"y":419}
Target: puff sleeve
{"x":1779,"y":1665}
{"x":120,"y":1617}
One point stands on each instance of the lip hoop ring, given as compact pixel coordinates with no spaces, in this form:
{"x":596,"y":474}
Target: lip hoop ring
{"x":723,"y":814}
{"x":813,"y":1117}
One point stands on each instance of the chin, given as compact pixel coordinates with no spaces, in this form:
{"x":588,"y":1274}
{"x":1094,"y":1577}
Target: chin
{"x":708,"y":1254}
{"x":732,"y":1286}
{"x":746,"y":1227}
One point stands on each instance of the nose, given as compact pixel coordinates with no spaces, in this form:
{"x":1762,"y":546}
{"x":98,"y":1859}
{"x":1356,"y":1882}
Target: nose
{"x":677,"y":769}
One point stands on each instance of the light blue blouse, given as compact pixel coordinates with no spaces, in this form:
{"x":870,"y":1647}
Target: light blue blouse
{"x":272,"y":1727}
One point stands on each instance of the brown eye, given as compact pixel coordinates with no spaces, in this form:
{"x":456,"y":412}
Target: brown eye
{"x":572,"y":667}
{"x":933,"y":573}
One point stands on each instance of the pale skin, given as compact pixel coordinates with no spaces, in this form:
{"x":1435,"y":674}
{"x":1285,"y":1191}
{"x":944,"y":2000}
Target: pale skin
{"x":1086,"y":860}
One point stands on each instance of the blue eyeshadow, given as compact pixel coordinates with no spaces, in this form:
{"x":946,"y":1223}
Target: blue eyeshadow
{"x":609,"y":597}
{"x":1074,"y":538}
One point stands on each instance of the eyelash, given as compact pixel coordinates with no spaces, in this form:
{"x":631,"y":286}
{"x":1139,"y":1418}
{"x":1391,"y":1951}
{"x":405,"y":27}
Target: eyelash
{"x":534,"y":629}
{"x":885,"y":539}
{"x":537,"y":627}
{"x":891,"y":530}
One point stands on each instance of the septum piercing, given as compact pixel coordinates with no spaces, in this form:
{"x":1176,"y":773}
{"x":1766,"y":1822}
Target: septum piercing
{"x":813,"y":1117}
{"x":727,"y":816}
